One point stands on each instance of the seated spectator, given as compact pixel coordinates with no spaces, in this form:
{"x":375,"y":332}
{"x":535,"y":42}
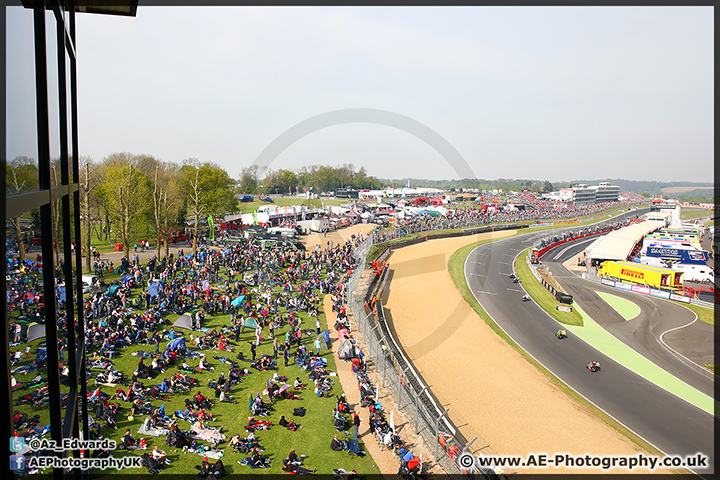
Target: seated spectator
{"x":338,"y":445}
{"x":342,"y":404}
{"x":128,"y":441}
{"x":258,"y":461}
{"x":291,"y":425}
{"x":159,"y":455}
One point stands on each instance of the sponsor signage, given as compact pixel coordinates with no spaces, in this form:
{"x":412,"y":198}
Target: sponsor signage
{"x":605,"y":281}
{"x":659,"y":293}
{"x":623,"y":286}
{"x":639,"y":289}
{"x":691,"y":257}
{"x":634,"y":274}
{"x":679,"y":298}
{"x":563,"y":308}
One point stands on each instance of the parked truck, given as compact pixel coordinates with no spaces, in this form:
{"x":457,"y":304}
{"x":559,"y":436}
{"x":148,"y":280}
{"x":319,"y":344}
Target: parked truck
{"x":315,"y":225}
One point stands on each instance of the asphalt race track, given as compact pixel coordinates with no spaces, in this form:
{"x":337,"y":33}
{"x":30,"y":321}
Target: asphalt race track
{"x":668,"y":422}
{"x":643,"y":333}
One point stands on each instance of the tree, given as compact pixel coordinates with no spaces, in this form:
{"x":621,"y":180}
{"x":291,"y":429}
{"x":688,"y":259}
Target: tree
{"x":196,"y":199}
{"x":129,"y":192}
{"x":325,"y":179}
{"x":249,"y":179}
{"x":21,"y":175}
{"x":89,"y":181}
{"x":547,"y":186}
{"x":166,"y":202}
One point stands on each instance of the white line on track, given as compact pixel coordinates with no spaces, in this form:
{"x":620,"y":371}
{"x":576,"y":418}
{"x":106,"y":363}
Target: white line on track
{"x":487,"y":293}
{"x":504,"y":263}
{"x":570,"y":386}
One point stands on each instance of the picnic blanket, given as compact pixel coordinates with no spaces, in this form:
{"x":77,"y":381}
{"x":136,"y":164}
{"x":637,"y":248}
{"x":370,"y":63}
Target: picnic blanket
{"x":154,"y":432}
{"x":207,"y":434}
{"x":211,"y":454}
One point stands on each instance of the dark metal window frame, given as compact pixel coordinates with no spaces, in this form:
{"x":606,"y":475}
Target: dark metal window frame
{"x":67,"y":193}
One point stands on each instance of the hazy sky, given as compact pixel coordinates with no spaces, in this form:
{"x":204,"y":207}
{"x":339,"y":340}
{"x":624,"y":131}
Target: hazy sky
{"x":557,"y":93}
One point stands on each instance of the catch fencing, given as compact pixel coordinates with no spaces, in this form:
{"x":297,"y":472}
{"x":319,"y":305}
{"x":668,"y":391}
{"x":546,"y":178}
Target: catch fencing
{"x":394,"y":371}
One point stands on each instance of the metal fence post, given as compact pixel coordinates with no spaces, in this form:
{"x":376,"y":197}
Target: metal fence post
{"x":437,"y":432}
{"x":400,"y":377}
{"x":417,"y":407}
{"x":384,"y":357}
{"x":371,"y":335}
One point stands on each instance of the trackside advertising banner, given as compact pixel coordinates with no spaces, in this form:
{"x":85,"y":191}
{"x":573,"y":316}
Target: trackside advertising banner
{"x":679,"y":298}
{"x":690,"y":257}
{"x":623,"y":286}
{"x":659,"y":293}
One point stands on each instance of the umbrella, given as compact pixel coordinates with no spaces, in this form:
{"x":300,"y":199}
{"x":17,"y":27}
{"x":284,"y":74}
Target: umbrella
{"x":238,"y":301}
{"x":284,"y":387}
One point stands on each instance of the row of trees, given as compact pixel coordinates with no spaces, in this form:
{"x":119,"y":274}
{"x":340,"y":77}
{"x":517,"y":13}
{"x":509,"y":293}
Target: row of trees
{"x":504,"y":184}
{"x":316,"y":178}
{"x":125,"y":195}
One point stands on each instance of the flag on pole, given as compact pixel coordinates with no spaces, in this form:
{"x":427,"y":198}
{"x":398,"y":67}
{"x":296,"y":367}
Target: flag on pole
{"x":211,"y":222}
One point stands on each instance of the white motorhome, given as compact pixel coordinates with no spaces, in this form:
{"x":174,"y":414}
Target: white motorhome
{"x":315,"y":225}
{"x":287,"y":232}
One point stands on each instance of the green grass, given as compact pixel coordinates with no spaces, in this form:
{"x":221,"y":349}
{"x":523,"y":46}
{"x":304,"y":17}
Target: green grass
{"x":709,"y":223}
{"x":313,"y":440}
{"x":706,"y":315}
{"x":541,"y":296}
{"x":689,"y":214}
{"x":456,"y":270}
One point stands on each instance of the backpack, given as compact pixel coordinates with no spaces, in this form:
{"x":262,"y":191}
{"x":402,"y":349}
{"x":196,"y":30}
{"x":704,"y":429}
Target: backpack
{"x":299,"y":412}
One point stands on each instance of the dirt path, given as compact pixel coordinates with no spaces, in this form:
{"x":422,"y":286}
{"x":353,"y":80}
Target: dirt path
{"x":383,"y":458}
{"x":493,"y":393}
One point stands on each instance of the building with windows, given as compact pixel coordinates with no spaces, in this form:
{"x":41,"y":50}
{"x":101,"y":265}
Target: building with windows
{"x":582,"y":194}
{"x":605,"y":192}
{"x":44,"y":185}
